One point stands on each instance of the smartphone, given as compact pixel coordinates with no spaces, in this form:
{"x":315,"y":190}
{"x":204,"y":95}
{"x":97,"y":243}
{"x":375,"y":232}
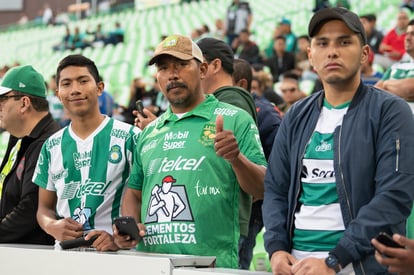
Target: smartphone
{"x":387,"y":240}
{"x":127,"y":226}
{"x":78,"y":242}
{"x":140,"y":108}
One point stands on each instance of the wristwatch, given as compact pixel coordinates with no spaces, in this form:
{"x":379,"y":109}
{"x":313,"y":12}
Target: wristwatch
{"x":332,"y":262}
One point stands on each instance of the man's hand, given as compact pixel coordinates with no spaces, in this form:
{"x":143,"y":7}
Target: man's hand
{"x":398,"y":260}
{"x":311,"y":266}
{"x":65,"y":229}
{"x":125,"y":241}
{"x":281,"y":263}
{"x":142,"y":122}
{"x":225,"y":142}
{"x":104,"y":242}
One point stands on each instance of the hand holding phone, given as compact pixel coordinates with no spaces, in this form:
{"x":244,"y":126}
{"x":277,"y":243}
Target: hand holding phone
{"x":140,"y":108}
{"x":127,"y":226}
{"x":387,"y":240}
{"x":78,"y":242}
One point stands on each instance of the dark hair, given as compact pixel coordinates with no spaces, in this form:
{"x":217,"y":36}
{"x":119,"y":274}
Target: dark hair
{"x":242,"y":70}
{"x":304,"y":36}
{"x":370,"y":17}
{"x":40,"y":104}
{"x":77,"y":60}
{"x":411,"y":22}
{"x":290,"y":75}
{"x":281,"y":37}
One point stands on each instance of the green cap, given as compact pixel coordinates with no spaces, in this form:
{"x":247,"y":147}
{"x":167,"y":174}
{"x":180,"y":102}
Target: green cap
{"x":24,"y":79}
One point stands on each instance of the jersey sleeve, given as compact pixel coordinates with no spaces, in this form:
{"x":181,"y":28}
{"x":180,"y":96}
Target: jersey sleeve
{"x":41,"y":173}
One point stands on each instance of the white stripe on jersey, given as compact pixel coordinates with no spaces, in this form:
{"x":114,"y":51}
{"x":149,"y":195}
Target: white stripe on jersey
{"x":323,"y":217}
{"x":329,"y":119}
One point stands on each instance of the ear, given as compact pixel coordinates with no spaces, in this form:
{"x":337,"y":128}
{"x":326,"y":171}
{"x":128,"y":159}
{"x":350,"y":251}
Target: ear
{"x":25,"y":103}
{"x":365,"y":54}
{"x":242,"y":83}
{"x":217,"y":65}
{"x":203,"y":70}
{"x":100,"y":85}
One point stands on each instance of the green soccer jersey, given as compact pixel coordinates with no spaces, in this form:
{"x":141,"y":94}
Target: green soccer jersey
{"x":88,"y":175}
{"x":318,"y":223}
{"x":189,"y":194}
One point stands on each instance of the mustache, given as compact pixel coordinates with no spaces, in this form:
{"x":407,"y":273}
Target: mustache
{"x":173,"y":85}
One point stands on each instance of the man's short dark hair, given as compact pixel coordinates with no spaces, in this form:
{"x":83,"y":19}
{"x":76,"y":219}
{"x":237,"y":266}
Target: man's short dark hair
{"x":369,"y":16}
{"x":411,"y":22}
{"x":242,"y":70}
{"x":77,"y":60}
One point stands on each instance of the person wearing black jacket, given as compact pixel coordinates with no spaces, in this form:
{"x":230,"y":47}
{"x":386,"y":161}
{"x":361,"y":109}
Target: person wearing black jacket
{"x":24,"y":113}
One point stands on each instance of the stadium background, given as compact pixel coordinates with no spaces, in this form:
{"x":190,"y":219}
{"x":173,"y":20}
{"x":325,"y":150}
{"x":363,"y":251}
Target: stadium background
{"x":144,"y":23}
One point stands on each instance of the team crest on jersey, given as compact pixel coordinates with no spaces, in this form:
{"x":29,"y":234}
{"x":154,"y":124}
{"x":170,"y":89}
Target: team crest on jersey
{"x":168,"y":203}
{"x":208,"y":134}
{"x":115,"y":154}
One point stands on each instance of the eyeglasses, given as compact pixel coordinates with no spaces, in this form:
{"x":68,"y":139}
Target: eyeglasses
{"x":290,"y":90}
{"x":4,"y":98}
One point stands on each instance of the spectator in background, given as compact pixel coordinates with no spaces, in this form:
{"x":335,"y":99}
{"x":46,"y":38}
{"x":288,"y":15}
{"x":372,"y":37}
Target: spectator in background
{"x":269,"y":93}
{"x":106,"y":102}
{"x":282,"y":61}
{"x":409,"y":4}
{"x":374,"y":36}
{"x":369,"y":75}
{"x":47,"y":17}
{"x":219,"y":31}
{"x":392,"y":45}
{"x":399,"y":78}
{"x":78,"y":40}
{"x":23,"y":20}
{"x":246,"y":49}
{"x":99,"y":36}
{"x":25,"y":115}
{"x":321,"y":4}
{"x":283,"y":29}
{"x":65,"y":43}
{"x":239,"y":16}
{"x":116,"y":35}
{"x":290,"y":89}
{"x":55,"y":105}
{"x":268,"y":119}
{"x":343,"y":4}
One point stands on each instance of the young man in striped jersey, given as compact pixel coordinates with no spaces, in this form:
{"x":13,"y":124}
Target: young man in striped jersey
{"x":83,"y":169}
{"x":341,"y":168}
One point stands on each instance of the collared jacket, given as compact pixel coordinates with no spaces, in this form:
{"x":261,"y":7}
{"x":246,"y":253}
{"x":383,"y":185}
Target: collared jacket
{"x":374,"y":171}
{"x":18,"y":204}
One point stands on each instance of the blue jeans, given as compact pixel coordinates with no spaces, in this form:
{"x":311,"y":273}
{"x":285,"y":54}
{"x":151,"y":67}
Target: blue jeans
{"x":247,"y":243}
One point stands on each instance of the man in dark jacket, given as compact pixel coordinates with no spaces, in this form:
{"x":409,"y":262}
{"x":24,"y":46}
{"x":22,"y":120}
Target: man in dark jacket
{"x":24,"y":113}
{"x":341,"y":168}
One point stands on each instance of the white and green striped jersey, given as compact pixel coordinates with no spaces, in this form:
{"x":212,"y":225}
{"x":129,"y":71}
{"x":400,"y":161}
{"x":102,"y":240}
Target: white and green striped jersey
{"x":318,"y":223}
{"x":88,"y":175}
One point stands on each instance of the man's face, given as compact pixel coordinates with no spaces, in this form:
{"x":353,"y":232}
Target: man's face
{"x":336,"y":53}
{"x":402,"y":20}
{"x":10,"y":117}
{"x":290,"y":90}
{"x":409,"y":41}
{"x":78,"y":91}
{"x":179,"y":81}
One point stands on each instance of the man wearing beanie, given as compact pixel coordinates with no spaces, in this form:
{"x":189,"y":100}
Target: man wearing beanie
{"x":340,"y":170}
{"x":24,"y":113}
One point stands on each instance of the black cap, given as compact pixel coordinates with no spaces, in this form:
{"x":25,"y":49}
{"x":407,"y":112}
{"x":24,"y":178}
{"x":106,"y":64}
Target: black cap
{"x":213,"y":48}
{"x":327,"y":14}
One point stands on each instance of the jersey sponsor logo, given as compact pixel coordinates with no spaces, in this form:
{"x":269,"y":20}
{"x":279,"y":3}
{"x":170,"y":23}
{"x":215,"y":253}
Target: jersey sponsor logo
{"x":208,"y":134}
{"x":225,"y":111}
{"x":151,"y":145}
{"x":176,"y":135}
{"x":61,"y":175}
{"x":323,"y":147}
{"x":206,"y":190}
{"x":169,"y":204}
{"x":170,"y":233}
{"x":320,"y":173}
{"x":175,"y":140}
{"x":169,"y":165}
{"x":82,"y":159}
{"x":78,"y":189}
{"x":52,"y":142}
{"x":115,"y":154}
{"x":119,"y":133}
